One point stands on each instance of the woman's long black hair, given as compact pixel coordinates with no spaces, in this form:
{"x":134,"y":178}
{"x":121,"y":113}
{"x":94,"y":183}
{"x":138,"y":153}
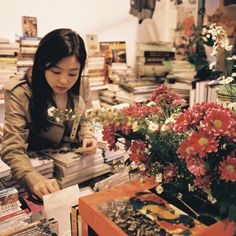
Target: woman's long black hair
{"x":54,"y":46}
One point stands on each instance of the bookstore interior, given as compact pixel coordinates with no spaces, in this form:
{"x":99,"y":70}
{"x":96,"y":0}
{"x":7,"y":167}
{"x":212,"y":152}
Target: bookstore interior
{"x":164,"y":128}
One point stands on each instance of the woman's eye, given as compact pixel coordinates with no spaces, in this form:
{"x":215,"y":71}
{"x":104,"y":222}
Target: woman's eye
{"x":72,"y":75}
{"x":56,"y":72}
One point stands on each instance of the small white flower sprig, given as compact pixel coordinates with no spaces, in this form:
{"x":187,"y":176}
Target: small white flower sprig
{"x":61,"y":115}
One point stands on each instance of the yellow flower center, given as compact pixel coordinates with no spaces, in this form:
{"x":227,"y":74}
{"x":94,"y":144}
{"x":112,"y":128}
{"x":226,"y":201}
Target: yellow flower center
{"x":217,"y":123}
{"x":230,"y":168}
{"x":203,"y":141}
{"x":188,"y":150}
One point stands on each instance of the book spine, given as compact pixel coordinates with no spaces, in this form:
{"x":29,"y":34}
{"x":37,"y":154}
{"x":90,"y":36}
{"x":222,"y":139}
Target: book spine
{"x":74,"y":221}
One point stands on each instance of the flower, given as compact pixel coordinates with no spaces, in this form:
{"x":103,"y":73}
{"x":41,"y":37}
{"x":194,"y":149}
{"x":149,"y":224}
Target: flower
{"x":223,"y":51}
{"x":146,"y":130}
{"x":61,"y":115}
{"x":209,"y":151}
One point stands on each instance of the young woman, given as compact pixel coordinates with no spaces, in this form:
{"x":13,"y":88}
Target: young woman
{"x":55,"y":81}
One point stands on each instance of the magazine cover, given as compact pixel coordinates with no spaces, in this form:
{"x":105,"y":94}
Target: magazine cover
{"x":29,"y":26}
{"x":114,"y":51}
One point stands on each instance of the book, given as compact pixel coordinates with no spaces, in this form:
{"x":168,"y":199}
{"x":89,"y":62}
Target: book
{"x":29,"y":26}
{"x":5,"y":170}
{"x":114,"y":51}
{"x":70,"y":158}
{"x":92,"y":44}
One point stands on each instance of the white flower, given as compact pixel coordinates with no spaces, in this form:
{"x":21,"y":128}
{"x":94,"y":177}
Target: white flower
{"x":212,"y":65}
{"x":159,"y":189}
{"x":170,"y":120}
{"x":159,"y":178}
{"x":149,"y":104}
{"x":152,"y":126}
{"x":227,"y":80}
{"x":51,"y":111}
{"x":57,"y":119}
{"x":141,"y":167}
{"x":231,"y":58}
{"x":190,"y":188}
{"x":164,"y":127}
{"x":135,"y":126}
{"x":180,"y":195}
{"x":211,"y":198}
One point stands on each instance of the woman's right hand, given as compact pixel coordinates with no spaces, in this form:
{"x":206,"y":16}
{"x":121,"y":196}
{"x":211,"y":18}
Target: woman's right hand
{"x":45,"y":187}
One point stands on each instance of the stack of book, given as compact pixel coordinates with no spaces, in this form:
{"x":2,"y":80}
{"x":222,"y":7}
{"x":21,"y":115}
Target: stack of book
{"x":95,"y":70}
{"x":135,"y":91}
{"x":40,"y":162}
{"x":28,"y":47}
{"x":72,"y":168}
{"x":180,"y":78}
{"x":11,"y":214}
{"x":150,"y":57}
{"x":8,"y":59}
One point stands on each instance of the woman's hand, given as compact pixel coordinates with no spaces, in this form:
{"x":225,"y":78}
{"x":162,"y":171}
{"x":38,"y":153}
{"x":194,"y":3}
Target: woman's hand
{"x":45,"y":187}
{"x":89,"y":146}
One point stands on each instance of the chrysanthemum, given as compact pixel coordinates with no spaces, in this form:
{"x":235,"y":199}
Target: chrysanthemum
{"x":203,"y":143}
{"x":196,"y":166}
{"x":227,"y":169}
{"x":170,"y":172}
{"x":219,"y":122}
{"x":203,"y":182}
{"x":137,"y":154}
{"x":185,"y":149}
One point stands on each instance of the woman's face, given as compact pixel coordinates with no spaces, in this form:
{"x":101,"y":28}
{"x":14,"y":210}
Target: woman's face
{"x":63,"y":75}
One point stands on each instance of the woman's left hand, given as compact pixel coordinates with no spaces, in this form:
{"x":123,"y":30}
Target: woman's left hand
{"x":89,"y":146}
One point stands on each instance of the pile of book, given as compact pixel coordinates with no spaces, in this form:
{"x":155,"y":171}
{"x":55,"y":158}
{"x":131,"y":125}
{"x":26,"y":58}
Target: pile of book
{"x":42,"y":163}
{"x":8,"y":59}
{"x":28,"y":47}
{"x":73,"y":168}
{"x":11,"y":214}
{"x":150,"y":56}
{"x":135,"y":91}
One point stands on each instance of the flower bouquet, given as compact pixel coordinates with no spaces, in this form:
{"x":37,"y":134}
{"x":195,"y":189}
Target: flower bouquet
{"x":146,"y":131}
{"x":209,"y":151}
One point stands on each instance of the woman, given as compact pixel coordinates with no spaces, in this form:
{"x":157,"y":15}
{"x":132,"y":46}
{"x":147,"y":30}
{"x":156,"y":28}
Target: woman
{"x":55,"y":82}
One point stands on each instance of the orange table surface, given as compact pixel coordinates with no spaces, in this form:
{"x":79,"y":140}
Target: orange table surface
{"x":103,"y":226}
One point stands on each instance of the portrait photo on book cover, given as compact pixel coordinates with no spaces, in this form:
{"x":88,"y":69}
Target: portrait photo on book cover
{"x":29,"y":26}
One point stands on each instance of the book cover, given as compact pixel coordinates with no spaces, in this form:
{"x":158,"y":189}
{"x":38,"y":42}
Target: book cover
{"x":29,"y":26}
{"x":92,"y":44}
{"x":114,"y":51}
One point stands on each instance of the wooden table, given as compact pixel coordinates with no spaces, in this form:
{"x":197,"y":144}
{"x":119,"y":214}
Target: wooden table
{"x":92,"y":217}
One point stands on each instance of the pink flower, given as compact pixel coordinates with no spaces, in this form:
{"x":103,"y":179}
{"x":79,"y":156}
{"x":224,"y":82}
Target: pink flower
{"x":203,"y":182}
{"x":196,"y":166}
{"x":227,"y":169}
{"x":170,"y":172}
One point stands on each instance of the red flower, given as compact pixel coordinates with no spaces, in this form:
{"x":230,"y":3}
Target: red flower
{"x":203,"y":182}
{"x":203,"y":143}
{"x":185,"y":149}
{"x":196,"y":166}
{"x":170,"y":172}
{"x":219,"y":122}
{"x":137,"y":154}
{"x":227,"y":169}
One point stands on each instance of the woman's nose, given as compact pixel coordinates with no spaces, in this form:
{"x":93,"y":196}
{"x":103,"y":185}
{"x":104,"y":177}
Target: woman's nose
{"x":63,"y":79}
